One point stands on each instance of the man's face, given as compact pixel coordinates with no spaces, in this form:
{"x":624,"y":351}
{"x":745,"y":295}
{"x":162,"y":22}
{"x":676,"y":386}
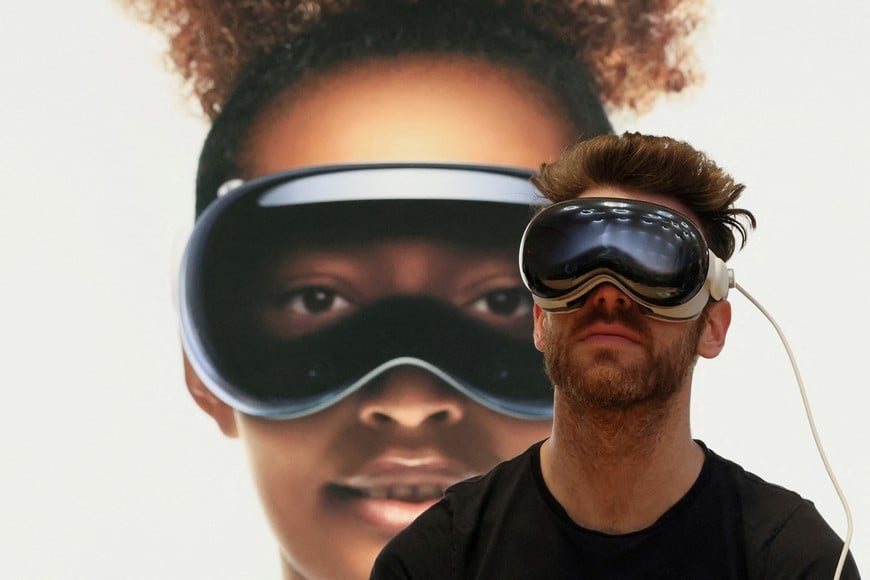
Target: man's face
{"x":607,"y":354}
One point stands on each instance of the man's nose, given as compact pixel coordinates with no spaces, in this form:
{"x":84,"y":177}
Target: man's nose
{"x":608,"y":297}
{"x":410,"y":397}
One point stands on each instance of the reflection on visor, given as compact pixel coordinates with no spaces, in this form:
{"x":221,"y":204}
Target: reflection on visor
{"x":442,"y":182}
{"x":245,"y":241}
{"x":654,"y":254}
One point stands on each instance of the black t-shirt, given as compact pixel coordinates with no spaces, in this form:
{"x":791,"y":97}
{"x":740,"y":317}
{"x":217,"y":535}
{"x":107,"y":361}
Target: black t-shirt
{"x":506,"y":525}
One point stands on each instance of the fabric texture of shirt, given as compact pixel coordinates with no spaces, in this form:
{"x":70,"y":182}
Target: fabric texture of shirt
{"x":506,"y":525}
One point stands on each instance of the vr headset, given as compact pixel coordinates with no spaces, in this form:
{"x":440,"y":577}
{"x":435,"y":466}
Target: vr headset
{"x":654,"y":254}
{"x":249,"y":230}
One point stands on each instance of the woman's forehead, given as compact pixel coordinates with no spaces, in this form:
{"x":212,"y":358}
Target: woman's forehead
{"x":414,"y":108}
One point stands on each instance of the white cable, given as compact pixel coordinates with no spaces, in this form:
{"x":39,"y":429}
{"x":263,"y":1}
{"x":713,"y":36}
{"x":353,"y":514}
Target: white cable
{"x":812,"y":422}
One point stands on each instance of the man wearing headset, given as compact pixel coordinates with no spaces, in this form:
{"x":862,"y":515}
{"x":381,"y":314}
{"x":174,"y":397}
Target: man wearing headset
{"x":627,"y":272}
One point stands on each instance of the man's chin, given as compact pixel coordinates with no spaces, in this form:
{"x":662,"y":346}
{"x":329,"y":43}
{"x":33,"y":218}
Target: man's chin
{"x":606,"y":386}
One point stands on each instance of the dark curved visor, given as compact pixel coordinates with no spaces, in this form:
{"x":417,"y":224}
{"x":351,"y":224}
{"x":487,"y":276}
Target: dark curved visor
{"x":298,"y":289}
{"x":654,"y":254}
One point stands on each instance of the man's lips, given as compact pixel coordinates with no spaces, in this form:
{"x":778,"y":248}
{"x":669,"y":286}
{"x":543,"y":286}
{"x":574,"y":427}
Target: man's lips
{"x":609,"y":334}
{"x":390,"y":493}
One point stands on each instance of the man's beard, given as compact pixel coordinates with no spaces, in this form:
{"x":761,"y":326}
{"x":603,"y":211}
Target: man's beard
{"x":605,"y":384}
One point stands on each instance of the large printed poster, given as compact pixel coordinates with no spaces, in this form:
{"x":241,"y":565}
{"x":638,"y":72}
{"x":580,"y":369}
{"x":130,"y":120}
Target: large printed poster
{"x":332,"y":356}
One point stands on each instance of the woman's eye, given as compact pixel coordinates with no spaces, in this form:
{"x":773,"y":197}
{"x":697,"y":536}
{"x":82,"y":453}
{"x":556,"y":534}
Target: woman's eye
{"x":314,"y":300}
{"x":513,"y":302}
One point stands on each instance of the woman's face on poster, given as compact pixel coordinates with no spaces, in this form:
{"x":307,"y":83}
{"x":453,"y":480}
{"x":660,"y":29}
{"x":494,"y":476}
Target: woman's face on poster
{"x":338,"y":483}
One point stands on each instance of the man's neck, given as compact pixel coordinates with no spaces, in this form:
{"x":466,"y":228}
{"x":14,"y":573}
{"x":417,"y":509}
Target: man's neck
{"x":618,"y":471}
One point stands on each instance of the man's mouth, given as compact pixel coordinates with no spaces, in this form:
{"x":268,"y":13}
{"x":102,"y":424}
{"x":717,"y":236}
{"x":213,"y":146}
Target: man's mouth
{"x":609,"y":334}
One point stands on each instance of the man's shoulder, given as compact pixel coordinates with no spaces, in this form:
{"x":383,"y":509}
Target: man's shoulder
{"x":783,"y":530}
{"x":766,"y":507}
{"x":758,"y":495}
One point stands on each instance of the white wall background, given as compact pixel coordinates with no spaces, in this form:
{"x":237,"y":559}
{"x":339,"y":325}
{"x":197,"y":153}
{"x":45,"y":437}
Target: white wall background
{"x":109,"y":470}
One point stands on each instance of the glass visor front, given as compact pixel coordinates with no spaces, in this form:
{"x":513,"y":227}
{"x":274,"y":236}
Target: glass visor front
{"x":300,"y":288}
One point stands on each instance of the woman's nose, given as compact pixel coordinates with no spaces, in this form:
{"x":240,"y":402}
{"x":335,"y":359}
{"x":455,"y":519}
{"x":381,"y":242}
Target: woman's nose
{"x":410,"y":397}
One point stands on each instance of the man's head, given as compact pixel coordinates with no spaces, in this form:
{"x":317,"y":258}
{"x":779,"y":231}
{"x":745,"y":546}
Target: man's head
{"x":637,"y":231}
{"x":659,"y":166}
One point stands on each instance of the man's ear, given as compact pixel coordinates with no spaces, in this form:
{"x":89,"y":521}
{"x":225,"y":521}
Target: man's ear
{"x":223,"y":414}
{"x":717,"y":319}
{"x":540,"y":332}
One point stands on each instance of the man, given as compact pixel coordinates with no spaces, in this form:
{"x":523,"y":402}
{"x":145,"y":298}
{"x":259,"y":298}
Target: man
{"x":627,"y":272}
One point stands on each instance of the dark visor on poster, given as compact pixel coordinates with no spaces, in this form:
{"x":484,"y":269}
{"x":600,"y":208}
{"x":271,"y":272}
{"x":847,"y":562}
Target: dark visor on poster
{"x":654,"y":254}
{"x":288,"y":302}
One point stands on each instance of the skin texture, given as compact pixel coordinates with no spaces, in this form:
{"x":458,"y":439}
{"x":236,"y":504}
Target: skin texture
{"x":621,"y":451}
{"x":419,"y":108}
{"x":406,"y":432}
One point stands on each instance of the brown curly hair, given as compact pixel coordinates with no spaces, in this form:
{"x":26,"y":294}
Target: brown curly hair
{"x":635,"y":50}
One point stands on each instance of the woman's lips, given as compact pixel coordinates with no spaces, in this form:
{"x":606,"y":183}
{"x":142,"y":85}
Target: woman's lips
{"x":403,"y":492}
{"x":391,"y":494}
{"x":390,"y":508}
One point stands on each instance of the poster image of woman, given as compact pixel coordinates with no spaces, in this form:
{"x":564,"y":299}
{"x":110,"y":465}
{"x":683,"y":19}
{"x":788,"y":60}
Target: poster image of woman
{"x":388,"y":288}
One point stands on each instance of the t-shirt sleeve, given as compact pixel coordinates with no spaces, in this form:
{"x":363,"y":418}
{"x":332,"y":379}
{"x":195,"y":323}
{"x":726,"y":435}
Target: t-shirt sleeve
{"x":421,"y":551}
{"x":806,"y":547}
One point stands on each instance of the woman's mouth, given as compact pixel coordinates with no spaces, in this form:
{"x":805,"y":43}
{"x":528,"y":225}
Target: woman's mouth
{"x":387,"y":507}
{"x":392,"y":499}
{"x":399,"y":492}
